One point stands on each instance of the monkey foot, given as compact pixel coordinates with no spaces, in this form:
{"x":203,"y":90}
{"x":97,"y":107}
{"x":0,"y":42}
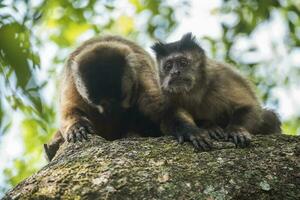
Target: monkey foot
{"x":200,"y":140}
{"x":239,"y":136}
{"x":79,"y":131}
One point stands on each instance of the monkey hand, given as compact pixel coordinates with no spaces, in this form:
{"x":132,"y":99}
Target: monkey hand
{"x":216,"y":132}
{"x":79,"y":131}
{"x":198,"y":137}
{"x":239,"y":136}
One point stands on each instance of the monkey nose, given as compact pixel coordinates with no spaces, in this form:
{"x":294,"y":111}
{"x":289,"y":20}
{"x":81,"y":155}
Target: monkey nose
{"x":176,"y":73}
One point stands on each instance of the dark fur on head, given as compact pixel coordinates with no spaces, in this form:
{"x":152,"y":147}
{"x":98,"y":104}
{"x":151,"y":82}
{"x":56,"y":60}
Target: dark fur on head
{"x":187,"y":42}
{"x":109,"y":87}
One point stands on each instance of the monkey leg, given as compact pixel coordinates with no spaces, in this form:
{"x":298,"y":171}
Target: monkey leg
{"x":270,"y":124}
{"x":245,"y":120}
{"x":74,"y":111}
{"x":52,"y":147}
{"x":181,"y":125}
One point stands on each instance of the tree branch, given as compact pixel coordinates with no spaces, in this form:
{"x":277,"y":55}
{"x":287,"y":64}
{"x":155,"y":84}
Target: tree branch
{"x":159,"y":168}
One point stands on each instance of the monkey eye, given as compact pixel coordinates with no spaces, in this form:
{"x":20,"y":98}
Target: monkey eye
{"x":183,"y":62}
{"x":168,"y":66}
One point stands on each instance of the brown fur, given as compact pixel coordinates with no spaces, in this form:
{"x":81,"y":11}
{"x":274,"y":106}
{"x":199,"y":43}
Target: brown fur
{"x":138,"y":103}
{"x":214,"y":94}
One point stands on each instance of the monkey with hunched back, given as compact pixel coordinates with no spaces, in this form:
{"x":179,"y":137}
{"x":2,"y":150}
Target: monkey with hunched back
{"x":209,"y":99}
{"x":109,"y":86}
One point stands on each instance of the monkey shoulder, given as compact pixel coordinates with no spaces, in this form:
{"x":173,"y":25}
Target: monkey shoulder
{"x":221,"y":71}
{"x":230,"y":83}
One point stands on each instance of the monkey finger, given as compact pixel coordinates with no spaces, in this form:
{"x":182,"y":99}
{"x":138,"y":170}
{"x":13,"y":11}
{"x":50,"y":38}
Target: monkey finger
{"x":180,"y":139}
{"x":247,"y":141}
{"x":220,"y":133}
{"x":219,"y":129}
{"x":74,"y":137}
{"x":84,"y":135}
{"x":194,"y":141}
{"x":89,"y":136}
{"x":69,"y":137}
{"x":204,"y":146}
{"x":78,"y":136}
{"x":241,"y":140}
{"x":81,"y":128}
{"x":244,"y":138}
{"x":195,"y":144}
{"x":90,"y":129}
{"x":213,"y":135}
{"x":235,"y":139}
{"x":207,"y":141}
{"x":226,"y":136}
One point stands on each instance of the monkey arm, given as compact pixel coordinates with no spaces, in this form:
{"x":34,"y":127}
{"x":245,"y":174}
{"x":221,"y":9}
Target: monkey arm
{"x":180,"y":124}
{"x":75,"y":124}
{"x":150,"y":100}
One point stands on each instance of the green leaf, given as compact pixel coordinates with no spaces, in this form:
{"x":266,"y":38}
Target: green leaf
{"x":14,"y":54}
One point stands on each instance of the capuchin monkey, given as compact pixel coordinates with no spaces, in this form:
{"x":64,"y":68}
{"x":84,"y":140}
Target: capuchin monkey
{"x":109,"y":86}
{"x":209,"y":99}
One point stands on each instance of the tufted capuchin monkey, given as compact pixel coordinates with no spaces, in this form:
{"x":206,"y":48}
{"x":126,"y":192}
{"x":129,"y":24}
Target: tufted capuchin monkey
{"x":210,"y":99}
{"x":109,"y":86}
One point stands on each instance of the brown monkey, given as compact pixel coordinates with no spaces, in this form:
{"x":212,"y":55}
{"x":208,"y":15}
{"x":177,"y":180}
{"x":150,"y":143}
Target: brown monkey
{"x":209,"y":95}
{"x":109,"y":85}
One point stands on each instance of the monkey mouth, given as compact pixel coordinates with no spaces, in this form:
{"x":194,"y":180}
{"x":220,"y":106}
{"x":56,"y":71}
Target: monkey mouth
{"x":179,"y":85}
{"x":180,"y":81}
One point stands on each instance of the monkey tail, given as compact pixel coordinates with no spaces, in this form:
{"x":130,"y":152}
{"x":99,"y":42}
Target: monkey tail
{"x":271,"y":123}
{"x":51,"y":148}
{"x":98,"y":71}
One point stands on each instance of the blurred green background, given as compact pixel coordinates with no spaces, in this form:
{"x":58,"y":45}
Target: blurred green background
{"x":261,"y":38}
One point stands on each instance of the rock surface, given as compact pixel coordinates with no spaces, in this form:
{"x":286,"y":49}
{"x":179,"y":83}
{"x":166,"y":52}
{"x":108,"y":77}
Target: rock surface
{"x":159,"y":168}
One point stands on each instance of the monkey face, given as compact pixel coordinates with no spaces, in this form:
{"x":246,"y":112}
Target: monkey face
{"x":177,"y":73}
{"x":181,"y":64}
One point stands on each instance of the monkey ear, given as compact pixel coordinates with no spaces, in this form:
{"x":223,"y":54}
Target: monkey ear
{"x":159,"y":49}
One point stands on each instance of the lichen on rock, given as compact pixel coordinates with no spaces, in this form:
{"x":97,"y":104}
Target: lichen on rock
{"x":159,"y":168}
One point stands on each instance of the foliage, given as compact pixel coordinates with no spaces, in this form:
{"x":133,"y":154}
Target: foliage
{"x":28,"y":26}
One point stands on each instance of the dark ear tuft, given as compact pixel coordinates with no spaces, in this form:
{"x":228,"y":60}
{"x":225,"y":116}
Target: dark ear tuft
{"x":188,"y":41}
{"x":159,"y":49}
{"x":188,"y":38}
